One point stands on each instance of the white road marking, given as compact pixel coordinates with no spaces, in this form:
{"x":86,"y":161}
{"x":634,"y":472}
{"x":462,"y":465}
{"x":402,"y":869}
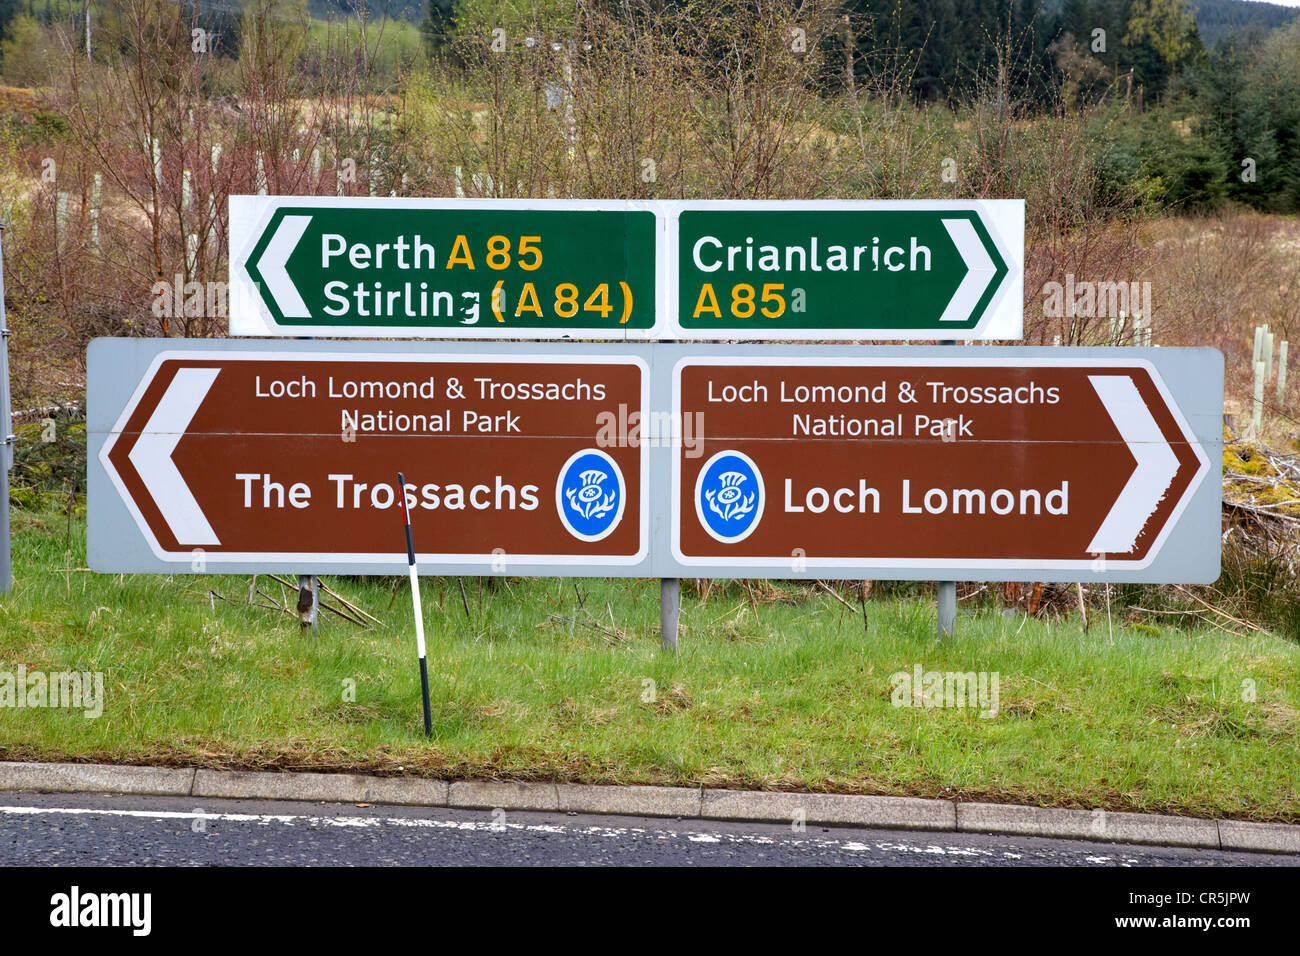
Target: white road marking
{"x":486,"y":826}
{"x":473,"y":826}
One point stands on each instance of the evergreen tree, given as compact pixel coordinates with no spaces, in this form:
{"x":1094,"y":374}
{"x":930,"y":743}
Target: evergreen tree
{"x":8,"y":10}
{"x":1166,"y":25}
{"x":439,"y":23}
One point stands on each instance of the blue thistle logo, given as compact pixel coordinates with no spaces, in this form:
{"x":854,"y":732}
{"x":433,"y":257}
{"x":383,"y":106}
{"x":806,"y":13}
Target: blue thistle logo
{"x":590,"y":495}
{"x":729,"y":496}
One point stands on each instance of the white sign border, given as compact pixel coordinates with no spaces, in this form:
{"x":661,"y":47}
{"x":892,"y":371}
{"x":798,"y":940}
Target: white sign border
{"x":1003,"y":318}
{"x":781,"y":562}
{"x":399,"y":556}
{"x":249,"y":315}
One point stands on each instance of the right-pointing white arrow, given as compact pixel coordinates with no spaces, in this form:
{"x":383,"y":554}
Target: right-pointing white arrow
{"x":274,"y":272}
{"x":1156,"y":465}
{"x":980,"y":270}
{"x":152,"y":456}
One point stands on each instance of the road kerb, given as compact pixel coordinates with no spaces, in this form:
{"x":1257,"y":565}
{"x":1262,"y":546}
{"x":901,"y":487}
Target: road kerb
{"x":96,"y":778}
{"x":635,"y":801}
{"x":1143,"y":828}
{"x":508,"y":795}
{"x":679,"y":802}
{"x":909,"y":813}
{"x":327,"y":787}
{"x":1262,"y":837}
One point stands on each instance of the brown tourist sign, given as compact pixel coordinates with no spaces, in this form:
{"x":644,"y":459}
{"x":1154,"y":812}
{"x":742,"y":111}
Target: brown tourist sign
{"x":233,"y":457}
{"x":988,"y":464}
{"x":656,"y":460}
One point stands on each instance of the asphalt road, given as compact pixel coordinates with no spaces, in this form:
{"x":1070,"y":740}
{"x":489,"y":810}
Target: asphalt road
{"x":89,"y":830}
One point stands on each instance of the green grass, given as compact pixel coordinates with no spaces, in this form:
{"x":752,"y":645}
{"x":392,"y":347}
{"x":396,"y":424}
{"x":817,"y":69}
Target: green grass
{"x":529,"y":687}
{"x":393,"y":45}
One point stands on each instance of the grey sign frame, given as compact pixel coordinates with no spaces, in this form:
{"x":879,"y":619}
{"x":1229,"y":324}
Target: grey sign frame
{"x":1189,"y":552}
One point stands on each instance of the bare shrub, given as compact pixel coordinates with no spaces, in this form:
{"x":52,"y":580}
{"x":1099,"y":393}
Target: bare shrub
{"x":633,"y":101}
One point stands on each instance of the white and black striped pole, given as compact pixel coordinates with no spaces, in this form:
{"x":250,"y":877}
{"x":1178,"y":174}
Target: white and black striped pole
{"x":415,"y":600}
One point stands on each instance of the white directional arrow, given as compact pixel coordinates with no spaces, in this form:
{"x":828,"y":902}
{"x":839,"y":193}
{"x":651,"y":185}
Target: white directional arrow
{"x":980,"y":270}
{"x":152,"y":456}
{"x":1156,"y":465}
{"x":275,"y":275}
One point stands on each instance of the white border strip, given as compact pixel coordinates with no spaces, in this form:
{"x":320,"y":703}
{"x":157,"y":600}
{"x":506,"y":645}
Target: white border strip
{"x":397,"y":557}
{"x":1003,"y":319}
{"x":249,"y":315}
{"x":782,"y":562}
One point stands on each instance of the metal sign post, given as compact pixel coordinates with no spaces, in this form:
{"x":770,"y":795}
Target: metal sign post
{"x":669,"y":609}
{"x":6,"y":433}
{"x":947,"y":607}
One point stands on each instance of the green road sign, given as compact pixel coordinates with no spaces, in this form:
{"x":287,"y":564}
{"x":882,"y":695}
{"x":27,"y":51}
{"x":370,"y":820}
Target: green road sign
{"x":652,"y":269}
{"x":848,"y":270}
{"x":443,"y":268}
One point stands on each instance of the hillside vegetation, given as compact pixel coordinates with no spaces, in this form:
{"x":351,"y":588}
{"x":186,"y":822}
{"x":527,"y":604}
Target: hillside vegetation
{"x":1145,"y":158}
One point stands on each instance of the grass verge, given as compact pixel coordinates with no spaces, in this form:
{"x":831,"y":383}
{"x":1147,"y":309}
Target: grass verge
{"x":782,"y":695}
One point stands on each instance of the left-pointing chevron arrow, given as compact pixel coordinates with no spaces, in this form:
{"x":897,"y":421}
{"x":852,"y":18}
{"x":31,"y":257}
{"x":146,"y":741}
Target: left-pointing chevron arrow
{"x":152,"y":457}
{"x":273,"y":265}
